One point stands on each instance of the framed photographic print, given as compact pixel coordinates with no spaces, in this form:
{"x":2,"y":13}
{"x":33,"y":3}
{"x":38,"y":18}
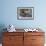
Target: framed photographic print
{"x":25,"y":13}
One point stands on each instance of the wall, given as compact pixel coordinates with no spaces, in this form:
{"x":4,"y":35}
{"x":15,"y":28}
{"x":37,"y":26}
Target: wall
{"x":8,"y":13}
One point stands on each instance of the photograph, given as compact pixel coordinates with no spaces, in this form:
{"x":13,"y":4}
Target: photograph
{"x":25,"y":13}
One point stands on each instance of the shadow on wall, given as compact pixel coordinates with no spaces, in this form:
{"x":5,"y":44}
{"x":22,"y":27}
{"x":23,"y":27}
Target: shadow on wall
{"x":2,"y":26}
